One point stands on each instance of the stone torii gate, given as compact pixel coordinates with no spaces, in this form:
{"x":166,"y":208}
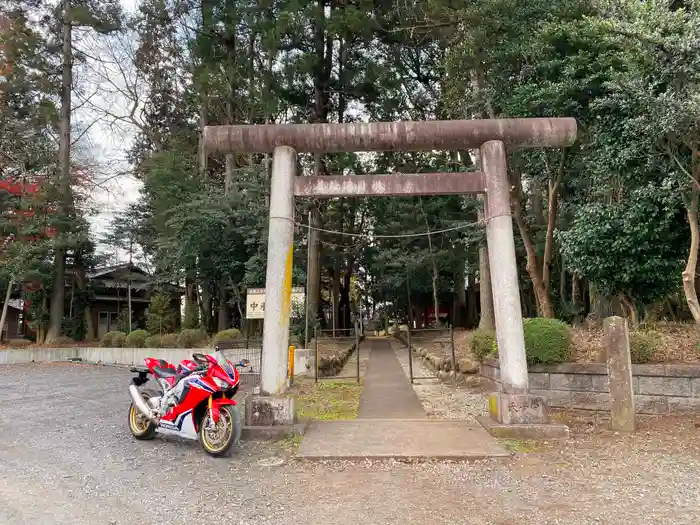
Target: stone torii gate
{"x":491,"y":137}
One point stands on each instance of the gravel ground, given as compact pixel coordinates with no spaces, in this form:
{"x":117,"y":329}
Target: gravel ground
{"x":441,"y":400}
{"x":66,"y":457}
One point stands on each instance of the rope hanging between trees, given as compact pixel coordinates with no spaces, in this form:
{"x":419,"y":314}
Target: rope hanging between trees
{"x":401,"y":236}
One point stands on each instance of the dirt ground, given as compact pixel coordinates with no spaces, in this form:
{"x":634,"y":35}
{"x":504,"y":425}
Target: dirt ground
{"x":67,"y":458}
{"x":679,"y":343}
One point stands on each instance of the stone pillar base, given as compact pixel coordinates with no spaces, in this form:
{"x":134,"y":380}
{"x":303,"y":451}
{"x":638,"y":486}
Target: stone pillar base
{"x":269,"y":410}
{"x":521,"y":416}
{"x":517,"y":409}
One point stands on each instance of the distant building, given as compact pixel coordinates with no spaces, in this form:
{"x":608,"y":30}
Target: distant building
{"x":116,"y":287}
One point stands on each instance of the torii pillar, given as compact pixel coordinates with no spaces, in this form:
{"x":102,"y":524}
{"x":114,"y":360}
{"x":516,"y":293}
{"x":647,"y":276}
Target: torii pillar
{"x":491,"y":137}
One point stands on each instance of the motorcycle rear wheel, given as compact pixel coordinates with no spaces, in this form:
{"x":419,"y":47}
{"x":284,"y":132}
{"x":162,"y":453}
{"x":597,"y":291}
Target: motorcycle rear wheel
{"x":218,"y":440}
{"x":139,"y":425}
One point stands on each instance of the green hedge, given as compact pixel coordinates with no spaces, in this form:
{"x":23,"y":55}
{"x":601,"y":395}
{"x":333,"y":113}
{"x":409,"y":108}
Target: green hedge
{"x":191,"y":338}
{"x":547,"y":341}
{"x":482,"y":343}
{"x":136,"y":339}
{"x":643,"y":346}
{"x":168,"y":341}
{"x":232,"y":334}
{"x":152,"y":341}
{"x":113,"y":339}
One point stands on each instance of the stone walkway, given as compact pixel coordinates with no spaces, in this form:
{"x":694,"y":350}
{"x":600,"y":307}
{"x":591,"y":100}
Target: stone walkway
{"x":442,"y":400}
{"x":387,"y":393}
{"x":392,"y":424}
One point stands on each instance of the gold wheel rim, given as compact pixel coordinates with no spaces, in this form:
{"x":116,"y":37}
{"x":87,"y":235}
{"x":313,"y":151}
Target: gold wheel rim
{"x":137,"y":421}
{"x":227,"y":432}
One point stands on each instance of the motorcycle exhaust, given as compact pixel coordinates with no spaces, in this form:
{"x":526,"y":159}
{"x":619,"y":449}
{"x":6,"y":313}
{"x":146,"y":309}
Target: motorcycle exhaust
{"x":141,"y":404}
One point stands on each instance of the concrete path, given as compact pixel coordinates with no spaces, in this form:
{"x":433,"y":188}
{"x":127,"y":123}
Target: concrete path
{"x":410,"y":439}
{"x":392,"y":424}
{"x":387,"y":392}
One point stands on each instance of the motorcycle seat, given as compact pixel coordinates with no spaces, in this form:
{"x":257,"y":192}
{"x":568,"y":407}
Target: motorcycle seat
{"x":165,"y":373}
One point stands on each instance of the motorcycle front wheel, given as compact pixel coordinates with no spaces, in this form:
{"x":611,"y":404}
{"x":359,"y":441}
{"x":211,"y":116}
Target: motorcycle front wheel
{"x":218,"y":438}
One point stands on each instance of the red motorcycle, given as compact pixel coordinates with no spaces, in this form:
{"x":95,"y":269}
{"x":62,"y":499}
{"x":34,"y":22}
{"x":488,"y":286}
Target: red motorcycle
{"x":195,"y":402}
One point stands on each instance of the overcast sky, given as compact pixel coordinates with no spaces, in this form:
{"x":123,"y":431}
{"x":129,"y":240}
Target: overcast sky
{"x":109,"y":147}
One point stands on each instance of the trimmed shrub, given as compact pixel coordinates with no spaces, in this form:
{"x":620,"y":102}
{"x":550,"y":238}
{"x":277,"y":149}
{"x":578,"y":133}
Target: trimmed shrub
{"x":153,"y":341}
{"x":547,"y":341}
{"x":119,"y":340}
{"x":231,"y":334}
{"x":168,"y":341}
{"x":191,"y":338}
{"x":107,"y":340}
{"x":19,"y":343}
{"x":136,"y":339}
{"x":643,"y":346}
{"x":482,"y":343}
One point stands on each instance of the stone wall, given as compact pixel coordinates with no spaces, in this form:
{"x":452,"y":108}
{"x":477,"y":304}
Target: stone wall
{"x":331,"y":365}
{"x":442,"y":366}
{"x":303,"y":358}
{"x":117,"y":356}
{"x":658,"y":389}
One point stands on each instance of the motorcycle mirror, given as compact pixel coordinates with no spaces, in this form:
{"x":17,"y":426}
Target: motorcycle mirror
{"x":244,"y":362}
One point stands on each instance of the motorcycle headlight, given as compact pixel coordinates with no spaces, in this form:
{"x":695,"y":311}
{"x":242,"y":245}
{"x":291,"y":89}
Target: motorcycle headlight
{"x":221,"y":383}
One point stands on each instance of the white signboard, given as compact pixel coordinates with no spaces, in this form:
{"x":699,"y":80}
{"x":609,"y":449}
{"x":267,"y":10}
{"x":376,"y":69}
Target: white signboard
{"x":255,"y":301}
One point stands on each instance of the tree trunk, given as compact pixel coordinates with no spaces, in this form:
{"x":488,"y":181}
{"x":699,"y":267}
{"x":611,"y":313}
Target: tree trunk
{"x":89,"y":328}
{"x":128,"y":288}
{"x":191,"y":306}
{"x":314,"y":267}
{"x":319,"y":114}
{"x":459,"y":307}
{"x":335,"y":295}
{"x":552,"y":207}
{"x":562,"y":284}
{"x":205,"y":306}
{"x":536,"y":204}
{"x":575,"y":293}
{"x":544,"y":305}
{"x":691,"y":295}
{"x":5,"y":305}
{"x":56,"y":310}
{"x":207,"y":11}
{"x":630,"y":308}
{"x":487,"y":319}
{"x":222,"y":322}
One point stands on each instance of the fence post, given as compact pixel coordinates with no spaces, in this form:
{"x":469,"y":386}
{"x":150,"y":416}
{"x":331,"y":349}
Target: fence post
{"x":290,"y":366}
{"x":454,"y":361}
{"x":617,"y":355}
{"x":315,"y":355}
{"x":260,"y":363}
{"x":410,"y":353}
{"x":357,"y":349}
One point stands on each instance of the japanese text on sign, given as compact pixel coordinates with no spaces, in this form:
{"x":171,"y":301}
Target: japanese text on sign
{"x":255,"y":301}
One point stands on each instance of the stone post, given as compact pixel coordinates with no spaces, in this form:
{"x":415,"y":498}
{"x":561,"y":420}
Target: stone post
{"x":504,"y":270}
{"x":278,"y":281}
{"x":617,"y":354}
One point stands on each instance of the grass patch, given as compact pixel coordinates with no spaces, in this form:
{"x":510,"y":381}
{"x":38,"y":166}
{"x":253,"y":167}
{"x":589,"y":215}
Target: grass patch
{"x":521,"y":446}
{"x":327,"y":400}
{"x":291,"y":443}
